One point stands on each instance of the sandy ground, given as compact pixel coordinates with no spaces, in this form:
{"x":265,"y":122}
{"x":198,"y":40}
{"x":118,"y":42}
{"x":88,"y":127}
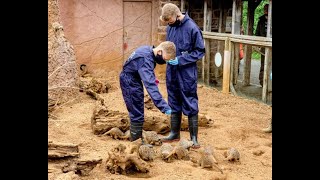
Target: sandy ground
{"x":237,"y":123}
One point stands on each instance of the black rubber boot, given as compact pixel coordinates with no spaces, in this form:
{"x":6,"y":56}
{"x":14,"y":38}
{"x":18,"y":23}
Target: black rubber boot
{"x":135,"y":130}
{"x":193,"y":129}
{"x":175,"y":123}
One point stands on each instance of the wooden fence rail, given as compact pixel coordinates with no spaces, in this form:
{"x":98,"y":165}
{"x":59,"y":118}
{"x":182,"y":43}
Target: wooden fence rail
{"x":229,"y":58}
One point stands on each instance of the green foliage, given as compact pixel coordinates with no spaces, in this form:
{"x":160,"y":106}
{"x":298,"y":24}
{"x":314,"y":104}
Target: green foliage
{"x":255,"y":55}
{"x":257,"y":14}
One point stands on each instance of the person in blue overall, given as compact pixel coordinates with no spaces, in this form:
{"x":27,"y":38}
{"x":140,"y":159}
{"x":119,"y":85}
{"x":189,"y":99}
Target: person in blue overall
{"x":182,"y":72}
{"x":137,"y":71}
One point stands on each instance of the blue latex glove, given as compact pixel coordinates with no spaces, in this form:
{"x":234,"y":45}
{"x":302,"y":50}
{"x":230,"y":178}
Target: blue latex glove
{"x":271,"y":76}
{"x":173,"y":61}
{"x":168,"y":112}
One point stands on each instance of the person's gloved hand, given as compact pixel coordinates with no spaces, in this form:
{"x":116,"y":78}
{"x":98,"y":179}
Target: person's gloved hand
{"x":271,"y":76}
{"x":168,"y":112}
{"x":173,"y":61}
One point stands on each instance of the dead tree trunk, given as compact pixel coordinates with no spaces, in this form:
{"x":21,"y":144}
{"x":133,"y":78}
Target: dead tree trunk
{"x":81,"y":166}
{"x":61,"y":150}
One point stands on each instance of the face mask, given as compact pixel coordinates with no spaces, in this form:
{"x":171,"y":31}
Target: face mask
{"x":176,"y":23}
{"x":159,"y":59}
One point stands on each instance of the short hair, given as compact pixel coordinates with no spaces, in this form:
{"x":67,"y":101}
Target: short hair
{"x":169,"y":48}
{"x":169,"y":10}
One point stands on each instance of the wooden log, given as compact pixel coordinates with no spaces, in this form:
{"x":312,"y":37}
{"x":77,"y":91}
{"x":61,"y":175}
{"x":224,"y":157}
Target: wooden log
{"x":236,"y":16}
{"x":236,"y":30}
{"x":207,"y":27}
{"x":207,"y":62}
{"x":62,"y":150}
{"x":204,"y":28}
{"x":81,"y":166}
{"x":52,"y":168}
{"x":207,"y":42}
{"x":222,"y":29}
{"x":269,"y":25}
{"x":209,"y":16}
{"x":256,"y":43}
{"x":266,"y":74}
{"x":158,"y":124}
{"x":234,"y":67}
{"x":101,"y":125}
{"x":231,"y":61}
{"x":221,"y":38}
{"x":248,"y":49}
{"x":237,"y":36}
{"x":269,"y":35}
{"x":226,"y":69}
{"x":267,"y":62}
{"x":240,"y":40}
{"x":182,"y":8}
{"x":102,"y":119}
{"x":120,"y":161}
{"x":202,"y":68}
{"x":205,"y":10}
{"x":226,"y":72}
{"x":247,"y":65}
{"x":269,"y":56}
{"x":236,"y":62}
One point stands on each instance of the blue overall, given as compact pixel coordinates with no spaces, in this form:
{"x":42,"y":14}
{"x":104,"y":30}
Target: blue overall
{"x":182,"y":79}
{"x":138,"y":69}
